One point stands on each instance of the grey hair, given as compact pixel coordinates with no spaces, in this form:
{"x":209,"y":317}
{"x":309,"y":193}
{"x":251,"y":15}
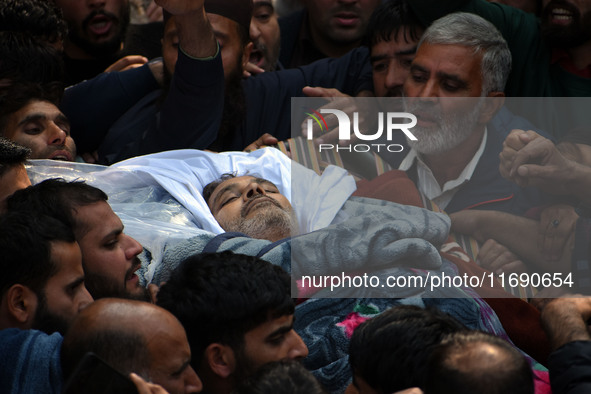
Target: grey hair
{"x":473,"y":31}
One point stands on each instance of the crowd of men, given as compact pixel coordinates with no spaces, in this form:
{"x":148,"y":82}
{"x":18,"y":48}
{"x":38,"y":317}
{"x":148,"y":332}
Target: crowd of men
{"x":80,"y":83}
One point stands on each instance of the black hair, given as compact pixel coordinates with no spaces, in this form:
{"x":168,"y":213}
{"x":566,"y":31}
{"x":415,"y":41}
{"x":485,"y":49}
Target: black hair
{"x":281,"y":377}
{"x":219,"y":297}
{"x":41,"y":19}
{"x":390,"y":351}
{"x":389,"y":18}
{"x":26,"y":240}
{"x":12,"y":155}
{"x":58,"y":199}
{"x":26,"y":59}
{"x":18,"y":95}
{"x":458,"y":366}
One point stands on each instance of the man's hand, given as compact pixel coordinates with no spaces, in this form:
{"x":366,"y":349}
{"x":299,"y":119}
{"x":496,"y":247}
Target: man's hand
{"x":154,"y":13}
{"x":261,"y":142}
{"x":557,"y":226}
{"x":251,"y":69}
{"x":144,"y":387}
{"x":497,"y":258}
{"x":127,"y":63}
{"x":343,"y":102}
{"x":565,"y":320}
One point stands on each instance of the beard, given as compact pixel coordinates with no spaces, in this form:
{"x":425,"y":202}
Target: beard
{"x":576,"y":33}
{"x":47,"y":321}
{"x":272,"y":222}
{"x":101,"y":286}
{"x":454,"y":128}
{"x":101,"y":49}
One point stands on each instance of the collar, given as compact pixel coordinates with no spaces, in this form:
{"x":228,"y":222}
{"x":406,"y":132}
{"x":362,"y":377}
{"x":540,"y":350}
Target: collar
{"x":428,"y":185}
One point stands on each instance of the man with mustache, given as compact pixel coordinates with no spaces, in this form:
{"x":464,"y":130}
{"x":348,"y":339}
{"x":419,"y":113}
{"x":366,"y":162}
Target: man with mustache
{"x":265,"y":35}
{"x":455,"y":88}
{"x":109,"y":256}
{"x":30,"y":117}
{"x":252,"y":206}
{"x":324,"y":28}
{"x":551,"y":58}
{"x":100,"y":38}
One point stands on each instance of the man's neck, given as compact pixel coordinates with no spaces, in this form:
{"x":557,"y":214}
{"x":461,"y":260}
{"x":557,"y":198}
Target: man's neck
{"x":581,"y":55}
{"x":449,"y":165}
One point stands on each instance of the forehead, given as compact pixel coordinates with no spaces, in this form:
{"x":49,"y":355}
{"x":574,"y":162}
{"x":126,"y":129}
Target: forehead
{"x":223,"y":26}
{"x":98,"y":217}
{"x":239,"y":183}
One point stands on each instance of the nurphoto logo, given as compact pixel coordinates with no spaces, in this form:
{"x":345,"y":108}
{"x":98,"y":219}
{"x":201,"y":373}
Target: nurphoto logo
{"x":394,"y":121}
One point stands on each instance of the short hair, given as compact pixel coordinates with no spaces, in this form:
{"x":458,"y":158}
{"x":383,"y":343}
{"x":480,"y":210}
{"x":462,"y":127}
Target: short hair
{"x":41,"y":19}
{"x":473,"y":31}
{"x":26,"y":240}
{"x":389,"y":18}
{"x":219,"y":297}
{"x":11,"y":155}
{"x":58,"y":199}
{"x":18,"y":95}
{"x":456,"y":366}
{"x":26,"y":59}
{"x":210,"y":187}
{"x":390,"y":351}
{"x":125,"y":350}
{"x":281,"y":377}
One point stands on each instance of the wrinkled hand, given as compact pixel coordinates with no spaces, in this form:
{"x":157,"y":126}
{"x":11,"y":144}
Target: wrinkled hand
{"x":498,"y":258}
{"x":263,"y":141}
{"x":557,"y":225}
{"x":345,"y":103}
{"x":153,"y":289}
{"x":529,"y":159}
{"x":144,"y":387}
{"x":127,"y":63}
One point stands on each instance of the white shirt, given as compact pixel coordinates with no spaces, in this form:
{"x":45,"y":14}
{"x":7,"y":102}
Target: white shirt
{"x":428,"y":185}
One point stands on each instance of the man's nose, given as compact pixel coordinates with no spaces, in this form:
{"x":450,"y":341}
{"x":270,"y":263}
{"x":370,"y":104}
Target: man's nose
{"x":57,"y":136}
{"x":252,"y":190}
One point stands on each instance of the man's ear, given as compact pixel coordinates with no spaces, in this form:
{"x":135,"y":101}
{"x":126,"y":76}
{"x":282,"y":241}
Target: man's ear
{"x":246,"y":54}
{"x":21,"y":304}
{"x":220,"y":359}
{"x":492,"y":104}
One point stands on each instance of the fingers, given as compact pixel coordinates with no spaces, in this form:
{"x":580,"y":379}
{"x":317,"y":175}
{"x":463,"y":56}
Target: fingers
{"x":90,"y":157}
{"x":557,"y":224}
{"x":264,"y":140}
{"x":153,"y":290}
{"x":252,"y":69}
{"x":144,"y":387}
{"x":497,"y":258}
{"x":126,"y":63}
{"x":512,"y":154}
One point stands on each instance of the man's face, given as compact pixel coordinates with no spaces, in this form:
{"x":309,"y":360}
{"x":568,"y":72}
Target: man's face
{"x":226,"y":33}
{"x":566,"y":23}
{"x":170,"y":357}
{"x":110,"y":256}
{"x":97,"y":27}
{"x":15,"y":178}
{"x":41,"y":127}
{"x":264,"y":33}
{"x":390,"y":61}
{"x":273,"y":340}
{"x":252,"y":206}
{"x":440,"y":76}
{"x":338,"y":21}
{"x":64,"y":295}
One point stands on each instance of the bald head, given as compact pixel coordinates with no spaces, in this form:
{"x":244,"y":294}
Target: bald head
{"x":133,"y":336}
{"x":478,"y":362}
